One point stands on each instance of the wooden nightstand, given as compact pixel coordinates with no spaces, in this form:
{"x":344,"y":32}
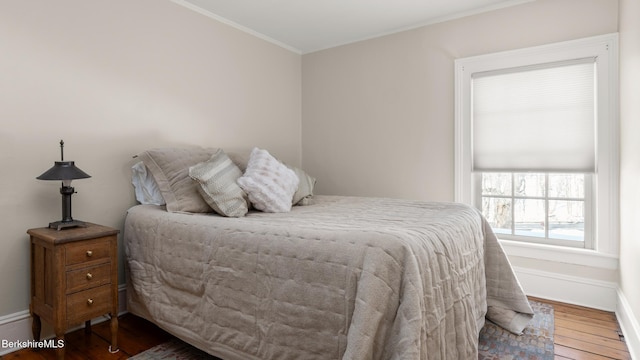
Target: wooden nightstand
{"x":74,"y":278}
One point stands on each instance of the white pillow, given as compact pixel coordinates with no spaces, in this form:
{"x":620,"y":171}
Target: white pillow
{"x":269,"y":184}
{"x":145,"y":186}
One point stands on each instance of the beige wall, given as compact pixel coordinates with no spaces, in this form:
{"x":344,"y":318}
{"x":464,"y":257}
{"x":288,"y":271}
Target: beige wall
{"x":630,"y":155}
{"x":378,"y":114}
{"x":113,"y":78}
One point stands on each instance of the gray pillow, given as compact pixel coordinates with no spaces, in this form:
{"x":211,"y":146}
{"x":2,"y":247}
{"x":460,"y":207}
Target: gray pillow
{"x":303,"y":194}
{"x":170,"y":169}
{"x":217,"y":178}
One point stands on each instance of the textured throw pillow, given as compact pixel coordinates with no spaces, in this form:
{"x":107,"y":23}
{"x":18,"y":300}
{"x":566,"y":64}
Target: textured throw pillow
{"x":170,"y":169}
{"x":304,"y":192}
{"x":217,"y":184}
{"x":269,"y":183}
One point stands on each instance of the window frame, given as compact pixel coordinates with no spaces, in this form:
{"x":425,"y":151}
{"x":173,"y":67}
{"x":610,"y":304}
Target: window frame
{"x":604,"y":196}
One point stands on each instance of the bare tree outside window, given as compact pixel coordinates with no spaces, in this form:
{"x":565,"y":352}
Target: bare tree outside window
{"x":535,"y":205}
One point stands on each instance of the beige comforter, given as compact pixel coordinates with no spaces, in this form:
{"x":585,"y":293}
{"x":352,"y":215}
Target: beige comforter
{"x":345,"y":278}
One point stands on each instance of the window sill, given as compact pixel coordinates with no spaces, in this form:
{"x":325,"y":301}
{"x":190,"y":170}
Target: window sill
{"x":559,"y":254}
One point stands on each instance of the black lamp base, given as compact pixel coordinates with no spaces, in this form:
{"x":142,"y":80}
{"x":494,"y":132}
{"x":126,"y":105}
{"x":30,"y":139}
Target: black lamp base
{"x":59,"y":225}
{"x":67,"y":221}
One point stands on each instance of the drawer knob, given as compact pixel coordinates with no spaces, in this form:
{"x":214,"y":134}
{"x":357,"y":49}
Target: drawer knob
{"x":89,"y":301}
{"x":89,"y":253}
{"x":89,"y":276}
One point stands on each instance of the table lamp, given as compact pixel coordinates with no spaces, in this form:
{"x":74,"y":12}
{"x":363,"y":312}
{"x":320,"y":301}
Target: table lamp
{"x":65,"y":171}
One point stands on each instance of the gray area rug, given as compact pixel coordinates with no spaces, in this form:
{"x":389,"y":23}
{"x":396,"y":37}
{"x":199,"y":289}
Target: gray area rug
{"x":536,"y":343}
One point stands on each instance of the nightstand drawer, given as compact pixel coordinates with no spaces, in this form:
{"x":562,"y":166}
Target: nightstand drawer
{"x":85,"y":251}
{"x":88,"y":304}
{"x":89,"y":277}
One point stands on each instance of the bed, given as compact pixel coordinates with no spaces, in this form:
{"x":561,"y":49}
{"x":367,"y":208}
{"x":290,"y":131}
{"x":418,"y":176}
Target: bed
{"x":339,"y":278}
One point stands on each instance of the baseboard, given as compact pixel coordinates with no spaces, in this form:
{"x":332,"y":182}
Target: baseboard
{"x":14,"y":327}
{"x":17,"y":326}
{"x":629,"y":325}
{"x":568,"y":289}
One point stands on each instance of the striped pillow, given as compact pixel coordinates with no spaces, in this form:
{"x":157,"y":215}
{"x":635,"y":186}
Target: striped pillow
{"x":217,"y":179}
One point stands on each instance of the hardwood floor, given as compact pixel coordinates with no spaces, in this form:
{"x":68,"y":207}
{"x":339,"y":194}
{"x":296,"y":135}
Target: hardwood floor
{"x":580,"y":333}
{"x":135,"y":335}
{"x":583,"y":333}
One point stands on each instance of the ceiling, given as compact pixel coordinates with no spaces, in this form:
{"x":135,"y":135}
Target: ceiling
{"x":306,"y":26}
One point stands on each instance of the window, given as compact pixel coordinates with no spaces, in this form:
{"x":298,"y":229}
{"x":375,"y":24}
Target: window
{"x":536,"y":142}
{"x":535,"y":119}
{"x":538,"y":207}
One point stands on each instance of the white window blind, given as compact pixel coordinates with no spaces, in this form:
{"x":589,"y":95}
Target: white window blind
{"x":538,"y":118}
